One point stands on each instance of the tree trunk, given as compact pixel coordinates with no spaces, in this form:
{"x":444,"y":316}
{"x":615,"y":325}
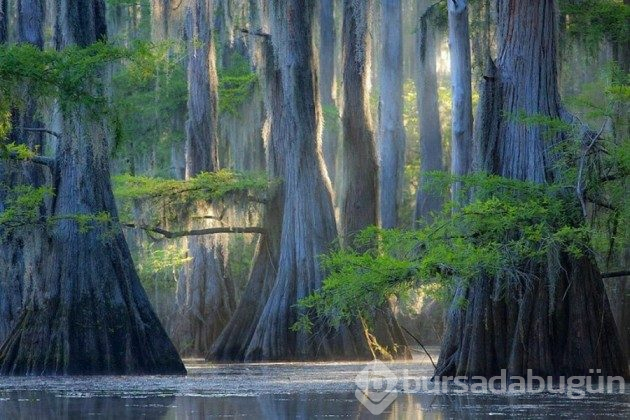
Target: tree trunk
{"x":462,"y":116}
{"x":160,"y":16}
{"x":87,"y":313}
{"x":428,"y":108}
{"x":391,"y":134}
{"x":205,"y":296}
{"x":327,"y":37}
{"x":20,"y":254}
{"x":359,"y":201}
{"x":4,"y":27}
{"x":560,"y":324}
{"x":299,"y":218}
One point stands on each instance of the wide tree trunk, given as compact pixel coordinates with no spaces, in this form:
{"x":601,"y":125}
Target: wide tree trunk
{"x":391,"y":132}
{"x":299,"y":216}
{"x":429,"y":115}
{"x":87,"y":313}
{"x":560,"y":323}
{"x":205,"y":295}
{"x":21,"y":251}
{"x":461,"y":107}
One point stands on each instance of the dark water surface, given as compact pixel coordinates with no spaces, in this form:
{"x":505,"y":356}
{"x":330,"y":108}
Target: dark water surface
{"x":276,"y":391}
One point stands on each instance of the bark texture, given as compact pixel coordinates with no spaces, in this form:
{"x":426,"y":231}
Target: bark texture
{"x":299,"y":217}
{"x":391,"y":132}
{"x":428,"y":108}
{"x":462,"y":115}
{"x":560,"y":323}
{"x":201,"y":150}
{"x":359,"y":200}
{"x":87,"y":313}
{"x":205,"y":295}
{"x":360,"y":197}
{"x":20,"y":254}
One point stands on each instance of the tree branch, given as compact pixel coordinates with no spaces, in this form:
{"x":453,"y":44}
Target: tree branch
{"x":622,"y":273}
{"x":40,"y":130}
{"x":256,"y":33}
{"x":40,"y":160}
{"x":197,"y":232}
{"x":421,"y":345}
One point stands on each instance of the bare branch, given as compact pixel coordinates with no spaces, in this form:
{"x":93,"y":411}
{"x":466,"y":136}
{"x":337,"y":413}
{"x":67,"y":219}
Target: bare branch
{"x":622,"y":273}
{"x":580,"y":187}
{"x":40,"y":160}
{"x":197,"y":232}
{"x":256,"y":33}
{"x":40,"y":130}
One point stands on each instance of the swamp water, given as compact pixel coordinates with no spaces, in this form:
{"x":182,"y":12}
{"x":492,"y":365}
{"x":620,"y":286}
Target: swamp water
{"x":277,"y":391}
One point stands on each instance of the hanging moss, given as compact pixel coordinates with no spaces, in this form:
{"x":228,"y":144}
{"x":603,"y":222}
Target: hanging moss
{"x":174,"y":197}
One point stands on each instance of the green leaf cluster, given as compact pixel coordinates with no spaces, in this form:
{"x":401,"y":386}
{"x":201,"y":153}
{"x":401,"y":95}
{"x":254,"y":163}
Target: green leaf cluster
{"x":236,"y":84}
{"x":508,"y":228}
{"x":21,"y":206}
{"x":173,"y":196}
{"x":593,"y":21}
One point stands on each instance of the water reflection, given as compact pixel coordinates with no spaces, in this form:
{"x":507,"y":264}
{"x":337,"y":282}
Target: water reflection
{"x":274,"y":391}
{"x":46,"y":404}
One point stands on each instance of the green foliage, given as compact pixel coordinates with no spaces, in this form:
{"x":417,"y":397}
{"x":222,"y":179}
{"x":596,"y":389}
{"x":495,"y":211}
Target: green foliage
{"x":69,"y":76}
{"x":173,"y":197}
{"x":510,"y":227}
{"x":17,"y":151}
{"x":73,"y":77}
{"x":236,"y":84}
{"x":22,"y":206}
{"x":149,"y":96}
{"x":551,"y":126}
{"x":164,"y":261}
{"x":332,"y":118}
{"x":593,"y":21}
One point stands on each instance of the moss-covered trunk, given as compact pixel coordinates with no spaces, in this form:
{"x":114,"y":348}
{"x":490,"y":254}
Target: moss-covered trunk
{"x":299,"y":215}
{"x":21,"y":250}
{"x":560,"y":323}
{"x":205,"y":295}
{"x":87,"y":313}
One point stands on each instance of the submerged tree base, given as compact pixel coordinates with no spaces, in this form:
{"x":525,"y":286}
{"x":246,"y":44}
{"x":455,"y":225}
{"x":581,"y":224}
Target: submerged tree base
{"x":561,"y":329}
{"x":88,"y":314}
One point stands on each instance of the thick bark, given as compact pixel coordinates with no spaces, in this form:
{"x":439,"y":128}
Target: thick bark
{"x":461,"y":108}
{"x":87,"y":313}
{"x":560,"y":323}
{"x":205,"y":295}
{"x":201,"y":149}
{"x":4,"y":27}
{"x":20,"y":254}
{"x":391,"y":133}
{"x":428,"y":108}
{"x":233,"y":342}
{"x":359,"y":201}
{"x":299,"y":218}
